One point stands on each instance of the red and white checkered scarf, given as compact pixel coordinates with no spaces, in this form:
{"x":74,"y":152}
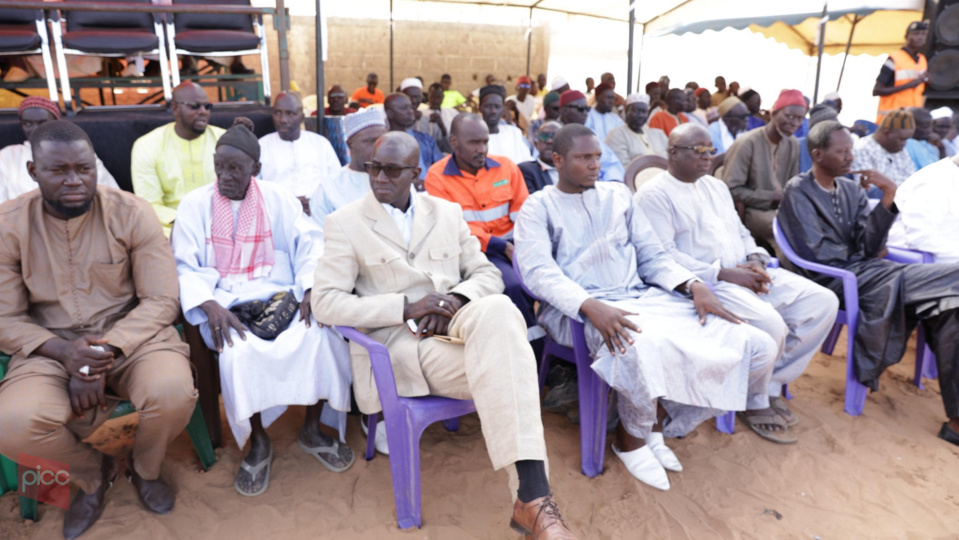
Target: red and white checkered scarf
{"x":250,"y":254}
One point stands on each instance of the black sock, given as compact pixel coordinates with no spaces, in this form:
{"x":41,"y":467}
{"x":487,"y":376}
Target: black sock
{"x":532,"y":480}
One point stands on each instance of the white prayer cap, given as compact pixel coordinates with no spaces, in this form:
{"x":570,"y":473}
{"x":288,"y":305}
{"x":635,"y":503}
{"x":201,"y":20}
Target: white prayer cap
{"x":558,"y":82}
{"x":364,"y":118}
{"x":410,"y":83}
{"x":941,"y":112}
{"x":637,"y":98}
{"x":832,"y":96}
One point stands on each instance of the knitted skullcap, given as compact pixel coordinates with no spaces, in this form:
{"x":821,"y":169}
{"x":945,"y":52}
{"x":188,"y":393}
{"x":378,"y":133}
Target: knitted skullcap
{"x":899,"y":119}
{"x":242,"y":138}
{"x":39,"y":102}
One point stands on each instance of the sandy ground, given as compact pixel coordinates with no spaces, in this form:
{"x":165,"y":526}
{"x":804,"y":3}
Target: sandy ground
{"x":882,"y":475}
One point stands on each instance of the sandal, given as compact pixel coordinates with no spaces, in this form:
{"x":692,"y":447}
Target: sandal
{"x":758,"y":422}
{"x":779,"y":405}
{"x":334,"y":449}
{"x":253,"y":471}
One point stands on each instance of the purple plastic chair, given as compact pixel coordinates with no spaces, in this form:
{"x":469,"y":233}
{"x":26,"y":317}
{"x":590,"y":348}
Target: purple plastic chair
{"x":405,"y":418}
{"x":855,"y":398}
{"x":593,"y":392}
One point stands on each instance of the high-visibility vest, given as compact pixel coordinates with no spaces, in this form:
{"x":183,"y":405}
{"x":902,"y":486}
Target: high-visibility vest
{"x":907,"y":69}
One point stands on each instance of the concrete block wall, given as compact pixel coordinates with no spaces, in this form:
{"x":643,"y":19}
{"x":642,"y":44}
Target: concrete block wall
{"x":468,"y":52}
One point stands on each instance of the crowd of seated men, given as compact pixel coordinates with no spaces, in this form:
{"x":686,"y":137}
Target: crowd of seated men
{"x":431,"y":239}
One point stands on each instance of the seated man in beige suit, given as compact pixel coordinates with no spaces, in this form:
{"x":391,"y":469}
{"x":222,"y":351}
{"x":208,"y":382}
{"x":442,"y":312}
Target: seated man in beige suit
{"x":395,"y":256}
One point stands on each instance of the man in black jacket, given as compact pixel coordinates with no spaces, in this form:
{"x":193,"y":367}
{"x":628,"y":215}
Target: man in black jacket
{"x":827,"y":220}
{"x":540,"y":172}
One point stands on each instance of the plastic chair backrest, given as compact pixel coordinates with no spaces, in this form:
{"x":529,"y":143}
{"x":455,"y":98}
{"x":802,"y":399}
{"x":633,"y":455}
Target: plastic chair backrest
{"x":634,"y":179}
{"x":98,"y":20}
{"x":184,"y":22}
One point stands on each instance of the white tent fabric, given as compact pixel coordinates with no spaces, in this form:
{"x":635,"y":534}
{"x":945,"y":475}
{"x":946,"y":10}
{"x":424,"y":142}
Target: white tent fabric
{"x":697,"y":16}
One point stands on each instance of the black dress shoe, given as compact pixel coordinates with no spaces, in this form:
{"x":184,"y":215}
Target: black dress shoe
{"x":156,"y":495}
{"x":85,"y":509}
{"x":948,"y":435}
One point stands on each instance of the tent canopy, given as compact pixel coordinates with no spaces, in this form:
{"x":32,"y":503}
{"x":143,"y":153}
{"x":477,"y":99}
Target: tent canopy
{"x":881,"y":24}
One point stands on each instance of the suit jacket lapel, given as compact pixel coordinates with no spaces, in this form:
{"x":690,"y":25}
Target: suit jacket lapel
{"x":423,"y":221}
{"x":382,"y":222}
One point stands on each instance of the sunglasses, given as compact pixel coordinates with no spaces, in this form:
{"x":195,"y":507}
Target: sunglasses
{"x":546,"y":137}
{"x":579,"y":108}
{"x":701,"y":150}
{"x":391,"y":171}
{"x":193,"y":105}
{"x":737,"y":116}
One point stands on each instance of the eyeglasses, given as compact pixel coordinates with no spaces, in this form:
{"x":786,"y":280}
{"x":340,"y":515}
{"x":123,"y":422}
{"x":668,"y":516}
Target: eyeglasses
{"x":579,"y":108}
{"x":546,"y":137}
{"x":193,"y":105}
{"x":391,"y":171}
{"x":337,"y":95}
{"x":701,"y":150}
{"x":737,"y":116}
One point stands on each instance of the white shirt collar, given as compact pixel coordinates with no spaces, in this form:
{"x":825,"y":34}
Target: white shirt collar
{"x":403,"y":220}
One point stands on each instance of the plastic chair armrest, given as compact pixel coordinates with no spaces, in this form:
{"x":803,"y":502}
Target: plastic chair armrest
{"x":379,"y":360}
{"x":906,"y":256}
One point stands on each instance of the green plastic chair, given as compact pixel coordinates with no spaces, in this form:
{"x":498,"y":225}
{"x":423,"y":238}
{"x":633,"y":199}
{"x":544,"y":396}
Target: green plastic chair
{"x":199,"y":436}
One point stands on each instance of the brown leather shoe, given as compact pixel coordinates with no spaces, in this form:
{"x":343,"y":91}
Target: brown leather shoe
{"x":156,"y":495}
{"x":539,"y":519}
{"x":85,"y":509}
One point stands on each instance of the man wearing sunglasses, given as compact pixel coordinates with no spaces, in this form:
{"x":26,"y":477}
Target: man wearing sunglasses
{"x":694,"y":217}
{"x":397,"y":256}
{"x":573,"y":110}
{"x":174,"y":159}
{"x":540,"y":172}
{"x":550,"y":111}
{"x":759,"y":164}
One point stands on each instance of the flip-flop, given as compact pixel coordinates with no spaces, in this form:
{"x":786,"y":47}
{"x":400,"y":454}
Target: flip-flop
{"x":778,"y":404}
{"x":253,"y":471}
{"x":756,"y":423}
{"x":318,"y":451}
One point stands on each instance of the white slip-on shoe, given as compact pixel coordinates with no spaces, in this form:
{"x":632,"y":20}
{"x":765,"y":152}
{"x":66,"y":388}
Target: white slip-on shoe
{"x":382,"y":446}
{"x":666,"y":457}
{"x":644,"y":466}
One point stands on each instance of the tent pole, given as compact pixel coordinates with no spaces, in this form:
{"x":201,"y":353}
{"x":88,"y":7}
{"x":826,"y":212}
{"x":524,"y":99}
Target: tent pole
{"x":629,"y":69}
{"x":281,"y":29}
{"x":855,"y":21}
{"x":822,"y":41}
{"x":391,"y":48}
{"x":529,"y":40}
{"x":320,"y":85}
{"x":639,"y":66}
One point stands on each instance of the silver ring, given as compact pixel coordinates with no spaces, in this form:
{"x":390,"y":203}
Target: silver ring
{"x":217,"y":328}
{"x":442,"y":303}
{"x":85,"y":370}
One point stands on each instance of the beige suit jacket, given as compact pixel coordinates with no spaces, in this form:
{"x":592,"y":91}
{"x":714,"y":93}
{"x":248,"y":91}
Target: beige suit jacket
{"x":368,"y":273}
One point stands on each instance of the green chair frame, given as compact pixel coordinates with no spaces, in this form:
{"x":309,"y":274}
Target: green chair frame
{"x":197,"y":430}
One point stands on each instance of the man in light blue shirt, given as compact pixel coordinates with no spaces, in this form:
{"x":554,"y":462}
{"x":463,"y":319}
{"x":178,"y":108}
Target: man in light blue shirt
{"x":362,"y":130}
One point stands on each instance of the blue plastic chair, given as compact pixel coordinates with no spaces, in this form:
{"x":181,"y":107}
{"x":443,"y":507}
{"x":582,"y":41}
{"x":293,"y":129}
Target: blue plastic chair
{"x":406,"y":419}
{"x":855,"y":398}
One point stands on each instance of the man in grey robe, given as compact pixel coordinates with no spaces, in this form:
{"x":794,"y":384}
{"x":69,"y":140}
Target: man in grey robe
{"x":760,"y":162}
{"x":693,"y":214}
{"x":587,"y":250}
{"x":826,"y":219}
